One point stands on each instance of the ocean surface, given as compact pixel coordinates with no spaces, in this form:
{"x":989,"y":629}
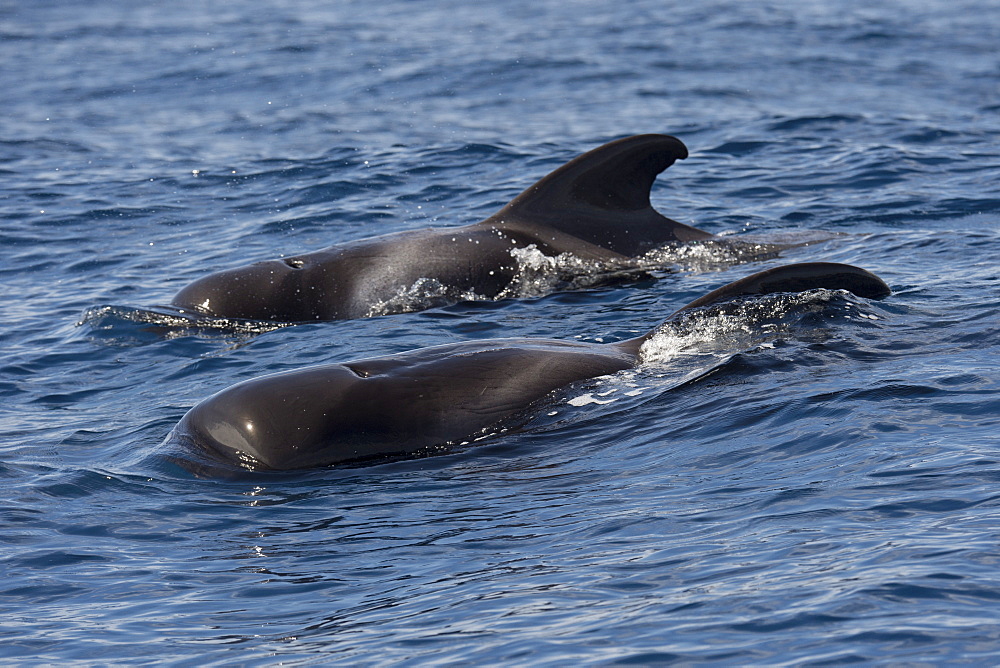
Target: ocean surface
{"x":815,"y":481}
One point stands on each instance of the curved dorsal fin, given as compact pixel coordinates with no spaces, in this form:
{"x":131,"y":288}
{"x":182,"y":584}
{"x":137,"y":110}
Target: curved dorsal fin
{"x":786,"y":278}
{"x":602,"y":197}
{"x":798,"y":278}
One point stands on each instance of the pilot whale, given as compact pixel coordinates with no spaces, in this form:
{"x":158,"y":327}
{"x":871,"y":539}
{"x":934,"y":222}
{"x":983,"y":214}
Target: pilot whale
{"x":411,"y":401}
{"x":595,"y":207}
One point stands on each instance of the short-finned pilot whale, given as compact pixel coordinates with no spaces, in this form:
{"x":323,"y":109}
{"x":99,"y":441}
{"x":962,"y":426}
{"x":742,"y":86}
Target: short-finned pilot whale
{"x":408,"y":402}
{"x":595,"y":207}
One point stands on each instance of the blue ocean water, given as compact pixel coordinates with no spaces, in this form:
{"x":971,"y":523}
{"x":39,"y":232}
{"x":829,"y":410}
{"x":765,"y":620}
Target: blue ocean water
{"x":823,"y":492}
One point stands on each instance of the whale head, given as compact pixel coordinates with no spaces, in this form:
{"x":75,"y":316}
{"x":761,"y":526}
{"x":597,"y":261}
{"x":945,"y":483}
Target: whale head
{"x":280,"y":421}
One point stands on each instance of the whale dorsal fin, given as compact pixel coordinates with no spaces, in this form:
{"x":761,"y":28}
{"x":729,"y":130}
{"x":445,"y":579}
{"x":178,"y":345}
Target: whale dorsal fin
{"x":798,"y":278}
{"x":786,"y":278}
{"x":602,"y":197}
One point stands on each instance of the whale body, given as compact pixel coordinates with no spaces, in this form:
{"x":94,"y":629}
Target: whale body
{"x":408,"y":402}
{"x":595,"y":207}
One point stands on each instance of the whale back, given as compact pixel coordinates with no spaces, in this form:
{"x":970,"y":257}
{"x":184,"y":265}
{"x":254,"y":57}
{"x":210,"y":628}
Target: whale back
{"x":392,"y":405}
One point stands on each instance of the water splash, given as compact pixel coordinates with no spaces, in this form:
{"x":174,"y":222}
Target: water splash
{"x":123,"y":324}
{"x":423,"y":294}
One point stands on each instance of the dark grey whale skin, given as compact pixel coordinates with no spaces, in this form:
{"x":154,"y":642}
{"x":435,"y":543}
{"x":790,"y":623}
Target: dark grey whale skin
{"x":405,"y":403}
{"x":596,"y":207}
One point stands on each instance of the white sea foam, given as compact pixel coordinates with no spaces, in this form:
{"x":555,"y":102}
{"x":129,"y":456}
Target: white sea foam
{"x":422,"y":294}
